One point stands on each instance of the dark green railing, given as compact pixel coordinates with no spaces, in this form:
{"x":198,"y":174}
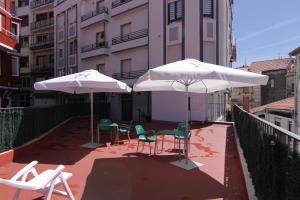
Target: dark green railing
{"x":21,"y":125}
{"x":272,"y":156}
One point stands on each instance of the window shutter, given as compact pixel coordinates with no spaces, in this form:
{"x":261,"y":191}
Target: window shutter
{"x":179,"y":9}
{"x":172,"y":11}
{"x":208,"y":8}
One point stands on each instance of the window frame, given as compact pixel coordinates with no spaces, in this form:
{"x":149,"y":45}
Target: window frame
{"x":18,"y":66}
{"x":176,"y":17}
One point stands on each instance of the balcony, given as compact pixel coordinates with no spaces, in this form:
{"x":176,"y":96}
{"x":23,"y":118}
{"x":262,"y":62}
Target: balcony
{"x":93,"y":50}
{"x":42,"y":24}
{"x":94,"y":13}
{"x":118,"y":171}
{"x":39,"y":3}
{"x":121,"y":6}
{"x":129,"y":75}
{"x":44,"y":68}
{"x":131,"y":40}
{"x":42,"y":44}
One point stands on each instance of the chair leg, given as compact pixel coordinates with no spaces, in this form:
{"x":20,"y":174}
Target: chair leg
{"x":17,"y":194}
{"x":49,"y":192}
{"x":137,"y":148}
{"x":155,"y":147}
{"x":174,"y":142}
{"x":67,"y":188}
{"x":143,"y":146}
{"x":128,"y":137}
{"x":150,"y":149}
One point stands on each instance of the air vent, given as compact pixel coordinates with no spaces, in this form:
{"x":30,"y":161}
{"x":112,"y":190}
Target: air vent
{"x":174,"y":33}
{"x":209,"y":30}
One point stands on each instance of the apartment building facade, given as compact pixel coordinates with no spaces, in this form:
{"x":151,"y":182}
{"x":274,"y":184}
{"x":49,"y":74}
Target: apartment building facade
{"x":9,"y":60}
{"x":37,"y":49}
{"x":124,"y":38}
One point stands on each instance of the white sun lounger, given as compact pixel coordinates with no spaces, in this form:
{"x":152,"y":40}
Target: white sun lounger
{"x":46,"y":182}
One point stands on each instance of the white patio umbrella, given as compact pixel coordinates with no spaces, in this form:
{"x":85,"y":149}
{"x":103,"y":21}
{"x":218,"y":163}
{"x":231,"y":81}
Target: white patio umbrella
{"x":89,"y":81}
{"x":191,"y":75}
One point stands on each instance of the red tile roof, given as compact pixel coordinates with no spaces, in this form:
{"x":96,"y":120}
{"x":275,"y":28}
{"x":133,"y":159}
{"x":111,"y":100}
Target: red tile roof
{"x":281,"y":105}
{"x":268,"y":65}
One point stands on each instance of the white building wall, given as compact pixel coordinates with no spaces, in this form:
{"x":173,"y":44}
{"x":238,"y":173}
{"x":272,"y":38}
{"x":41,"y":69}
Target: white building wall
{"x":284,"y":121}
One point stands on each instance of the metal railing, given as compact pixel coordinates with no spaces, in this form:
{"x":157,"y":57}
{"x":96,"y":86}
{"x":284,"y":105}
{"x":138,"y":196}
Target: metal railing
{"x":42,"y":23}
{"x":118,"y":3}
{"x":94,"y":13}
{"x":94,"y":46}
{"x":272,"y":156}
{"x":42,"y":68}
{"x":128,"y":75}
{"x":39,"y":3}
{"x":216,"y":111}
{"x":130,"y":36}
{"x":37,"y":44}
{"x":288,"y":138}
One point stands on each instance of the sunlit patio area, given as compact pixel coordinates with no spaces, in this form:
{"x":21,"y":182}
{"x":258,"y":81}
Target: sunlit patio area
{"x":116,"y":171}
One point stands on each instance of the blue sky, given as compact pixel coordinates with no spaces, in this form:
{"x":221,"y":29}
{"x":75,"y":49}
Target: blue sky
{"x":265,"y":29}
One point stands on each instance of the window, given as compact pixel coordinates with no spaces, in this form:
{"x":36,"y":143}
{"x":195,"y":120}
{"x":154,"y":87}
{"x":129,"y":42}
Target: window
{"x":125,"y":29}
{"x":290,"y":126}
{"x":208,"y":8}
{"x":22,"y":3}
{"x":41,"y":17}
{"x":73,"y":47}
{"x":24,"y":41}
{"x":272,"y":83}
{"x":175,"y":11}
{"x":125,"y":65}
{"x":25,"y":20}
{"x":14,"y":29}
{"x":24,"y":62}
{"x":277,"y":123}
{"x":60,"y":53}
{"x":101,"y":68}
{"x":99,"y":4}
{"x":15,"y":65}
{"x":100,"y":37}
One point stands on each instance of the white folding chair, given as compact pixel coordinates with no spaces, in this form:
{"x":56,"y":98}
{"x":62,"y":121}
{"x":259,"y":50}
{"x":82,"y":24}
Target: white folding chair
{"x":46,"y":182}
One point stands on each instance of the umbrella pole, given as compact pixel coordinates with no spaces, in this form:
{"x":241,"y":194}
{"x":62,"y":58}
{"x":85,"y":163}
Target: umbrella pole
{"x":92,"y":116}
{"x":186,"y":122}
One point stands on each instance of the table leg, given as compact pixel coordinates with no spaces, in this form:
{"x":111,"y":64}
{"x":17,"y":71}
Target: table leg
{"x":162,"y":143}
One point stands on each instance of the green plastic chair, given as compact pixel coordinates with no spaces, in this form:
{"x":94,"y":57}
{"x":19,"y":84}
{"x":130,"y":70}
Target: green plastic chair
{"x":103,"y":127}
{"x":145,"y":136}
{"x":180,"y":134}
{"x":124,"y":129}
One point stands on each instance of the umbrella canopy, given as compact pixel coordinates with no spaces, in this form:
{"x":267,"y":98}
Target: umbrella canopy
{"x":191,"y":75}
{"x":89,"y":81}
{"x":83,"y":82}
{"x":199,"y":76}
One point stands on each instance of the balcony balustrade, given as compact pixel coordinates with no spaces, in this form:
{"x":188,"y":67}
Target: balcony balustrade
{"x":128,"y":75}
{"x":94,"y":46}
{"x":118,"y":3}
{"x":42,"y":24}
{"x":45,"y":43}
{"x":130,"y":36}
{"x":44,"y":68}
{"x":94,"y":13}
{"x":39,"y":3}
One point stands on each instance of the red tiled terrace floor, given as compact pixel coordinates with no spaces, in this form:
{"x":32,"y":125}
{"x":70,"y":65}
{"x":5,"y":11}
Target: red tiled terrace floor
{"x":118,"y":172}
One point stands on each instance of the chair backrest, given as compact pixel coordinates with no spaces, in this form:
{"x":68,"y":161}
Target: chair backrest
{"x":182,"y":126}
{"x":139,"y":130}
{"x":104,"y":120}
